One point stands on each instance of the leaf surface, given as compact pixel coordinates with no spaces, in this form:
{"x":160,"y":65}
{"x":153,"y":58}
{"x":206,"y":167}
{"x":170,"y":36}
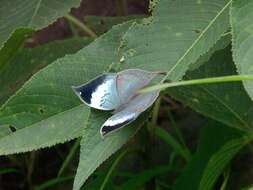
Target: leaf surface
{"x":242,"y":34}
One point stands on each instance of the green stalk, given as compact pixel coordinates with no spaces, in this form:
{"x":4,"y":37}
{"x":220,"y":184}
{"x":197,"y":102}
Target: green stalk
{"x":156,"y":111}
{"x":231,"y":78}
{"x":226,"y":178}
{"x":48,"y":184}
{"x":115,"y":163}
{"x":81,"y":25}
{"x":180,"y":136}
{"x":69,"y":158}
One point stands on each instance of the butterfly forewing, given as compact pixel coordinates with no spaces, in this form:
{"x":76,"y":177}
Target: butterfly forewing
{"x":100,"y":93}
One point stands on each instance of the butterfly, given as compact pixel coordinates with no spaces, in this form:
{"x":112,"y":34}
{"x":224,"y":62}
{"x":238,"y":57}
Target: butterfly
{"x":118,"y":92}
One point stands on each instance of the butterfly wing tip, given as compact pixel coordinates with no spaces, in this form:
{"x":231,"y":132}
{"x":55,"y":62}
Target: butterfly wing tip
{"x":102,"y":133}
{"x":74,"y":88}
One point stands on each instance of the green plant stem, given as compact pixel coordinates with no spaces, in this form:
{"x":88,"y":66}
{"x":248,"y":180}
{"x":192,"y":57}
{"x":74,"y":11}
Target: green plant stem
{"x":180,"y":136}
{"x":115,"y":163}
{"x":177,"y":131}
{"x":231,"y":78}
{"x":71,"y":154}
{"x":73,"y":29}
{"x":53,"y":182}
{"x":81,"y":25}
{"x":170,"y":140}
{"x":150,"y":144}
{"x":156,"y":111}
{"x":225,"y":181}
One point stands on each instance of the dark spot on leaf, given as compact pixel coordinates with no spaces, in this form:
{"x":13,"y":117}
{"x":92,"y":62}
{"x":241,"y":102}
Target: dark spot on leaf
{"x":41,"y":110}
{"x":13,"y":129}
{"x":197,"y":31}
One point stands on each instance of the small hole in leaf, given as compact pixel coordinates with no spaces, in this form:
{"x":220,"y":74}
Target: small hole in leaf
{"x":13,"y":129}
{"x":41,"y":110}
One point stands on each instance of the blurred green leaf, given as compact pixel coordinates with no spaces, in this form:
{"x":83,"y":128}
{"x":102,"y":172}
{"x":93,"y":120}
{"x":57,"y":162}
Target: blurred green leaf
{"x":227,"y":102}
{"x":53,"y":182}
{"x":8,"y":170}
{"x":248,"y":188}
{"x":242,"y":34}
{"x":176,"y":146}
{"x":217,"y":146}
{"x":139,"y":179}
{"x":35,"y":14}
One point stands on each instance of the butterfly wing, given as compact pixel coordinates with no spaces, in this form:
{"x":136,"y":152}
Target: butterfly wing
{"x":100,"y":93}
{"x":129,"y":112}
{"x":131,"y":80}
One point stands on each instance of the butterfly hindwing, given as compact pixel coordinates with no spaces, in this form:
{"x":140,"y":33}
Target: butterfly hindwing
{"x":129,"y":112}
{"x":118,"y":121}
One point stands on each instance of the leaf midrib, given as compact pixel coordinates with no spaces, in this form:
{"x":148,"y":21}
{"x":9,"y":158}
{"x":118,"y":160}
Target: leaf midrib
{"x":35,"y":12}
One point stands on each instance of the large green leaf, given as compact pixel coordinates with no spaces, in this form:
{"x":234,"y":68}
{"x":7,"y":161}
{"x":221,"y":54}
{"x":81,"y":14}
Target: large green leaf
{"x":242,"y":33}
{"x":176,"y":35}
{"x":211,"y":157}
{"x":48,"y":96}
{"x":138,"y":180}
{"x":19,"y":67}
{"x":227,"y":102}
{"x":34,"y":14}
